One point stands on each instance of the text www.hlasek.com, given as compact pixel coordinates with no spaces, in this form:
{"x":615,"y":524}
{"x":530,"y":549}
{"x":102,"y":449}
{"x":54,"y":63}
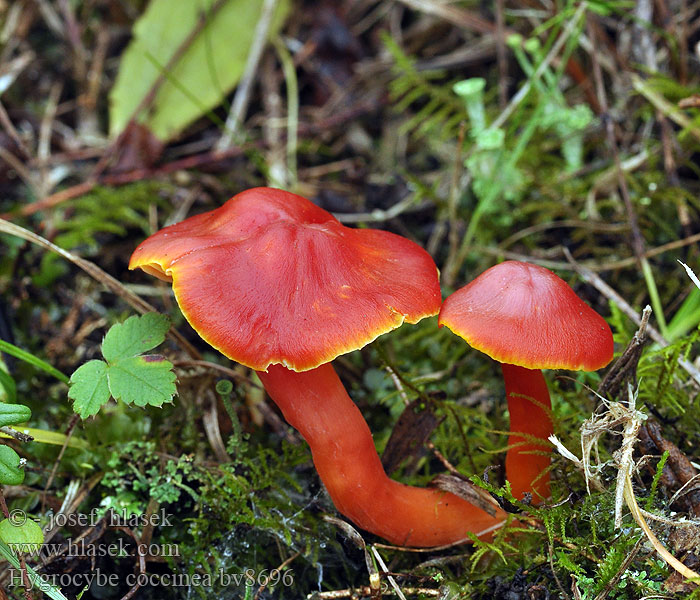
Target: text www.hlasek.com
{"x":90,"y":550}
{"x":248,"y":577}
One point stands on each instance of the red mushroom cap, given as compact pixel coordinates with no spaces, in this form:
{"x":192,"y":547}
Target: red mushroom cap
{"x":525,"y":315}
{"x":270,"y":278}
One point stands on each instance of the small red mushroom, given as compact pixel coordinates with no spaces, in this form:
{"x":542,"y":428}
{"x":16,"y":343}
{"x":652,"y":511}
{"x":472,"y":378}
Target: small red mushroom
{"x":528,"y":319}
{"x":279,"y":285}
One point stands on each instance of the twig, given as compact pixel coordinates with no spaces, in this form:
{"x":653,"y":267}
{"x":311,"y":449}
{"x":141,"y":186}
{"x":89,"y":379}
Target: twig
{"x":215,"y":367}
{"x":501,"y":54}
{"x":242,"y":97}
{"x":452,"y":14}
{"x":638,"y":243}
{"x":625,"y":367}
{"x":18,"y":435}
{"x":284,"y":564}
{"x":11,"y":130}
{"x":379,"y":215}
{"x":210,"y":420}
{"x":390,"y":579}
{"x":112,"y":284}
{"x":142,"y":562}
{"x":69,"y":432}
{"x":667,"y":108}
{"x":590,"y":277}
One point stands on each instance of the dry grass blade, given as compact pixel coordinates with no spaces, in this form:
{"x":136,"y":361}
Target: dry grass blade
{"x":616,"y":415}
{"x":671,"y":560}
{"x":112,"y":284}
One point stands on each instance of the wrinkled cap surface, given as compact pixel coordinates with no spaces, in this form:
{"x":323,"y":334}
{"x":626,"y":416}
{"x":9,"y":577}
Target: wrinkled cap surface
{"x":270,"y":278}
{"x":523,"y":314}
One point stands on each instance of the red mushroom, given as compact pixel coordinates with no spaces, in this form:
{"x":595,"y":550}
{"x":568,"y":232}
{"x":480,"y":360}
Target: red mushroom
{"x":279,"y":285}
{"x":528,"y":319}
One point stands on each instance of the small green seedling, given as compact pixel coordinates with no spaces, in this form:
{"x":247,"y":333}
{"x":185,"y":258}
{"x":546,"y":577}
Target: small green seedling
{"x":126,"y":373}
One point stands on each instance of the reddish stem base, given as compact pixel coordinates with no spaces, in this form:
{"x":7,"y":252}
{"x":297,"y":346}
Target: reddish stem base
{"x":317,"y":405}
{"x":530,"y":410}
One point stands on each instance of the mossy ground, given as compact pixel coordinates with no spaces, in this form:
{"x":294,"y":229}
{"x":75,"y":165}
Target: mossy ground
{"x":384,"y":141}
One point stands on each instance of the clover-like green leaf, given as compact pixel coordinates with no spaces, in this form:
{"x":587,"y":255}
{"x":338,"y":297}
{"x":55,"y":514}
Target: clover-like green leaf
{"x":88,"y":388}
{"x":135,"y":336}
{"x":142,"y":380}
{"x":126,"y":375}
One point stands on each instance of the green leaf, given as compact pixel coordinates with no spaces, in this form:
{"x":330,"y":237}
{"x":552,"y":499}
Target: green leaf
{"x":37,"y":581}
{"x":142,"y":380}
{"x":25,"y":537}
{"x":127,"y":375}
{"x":135,"y":336}
{"x":13,"y":350}
{"x":210,"y":46}
{"x":11,"y":414}
{"x":686,"y":317}
{"x":10,"y":473}
{"x":8,"y":389}
{"x":88,"y":388}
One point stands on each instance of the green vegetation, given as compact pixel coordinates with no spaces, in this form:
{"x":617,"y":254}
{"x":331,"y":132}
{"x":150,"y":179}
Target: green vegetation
{"x":576,"y":149}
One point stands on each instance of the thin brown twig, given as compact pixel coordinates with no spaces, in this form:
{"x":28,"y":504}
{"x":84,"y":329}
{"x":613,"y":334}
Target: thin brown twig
{"x":69,"y":432}
{"x":283,"y":565}
{"x":452,"y":14}
{"x":17,"y":435}
{"x":11,"y":130}
{"x":621,"y":570}
{"x":637,"y":238}
{"x":240,"y":102}
{"x":596,"y":281}
{"x":501,"y":57}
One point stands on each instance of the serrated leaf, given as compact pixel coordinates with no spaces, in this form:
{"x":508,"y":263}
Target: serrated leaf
{"x":24,"y":537}
{"x":142,"y":380}
{"x":88,"y":388}
{"x":207,"y":67}
{"x":135,"y":336}
{"x":10,"y":473}
{"x":11,"y":414}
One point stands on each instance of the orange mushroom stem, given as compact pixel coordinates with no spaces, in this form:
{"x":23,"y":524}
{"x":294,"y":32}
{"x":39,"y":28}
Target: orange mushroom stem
{"x":317,"y":405}
{"x":530,"y":408}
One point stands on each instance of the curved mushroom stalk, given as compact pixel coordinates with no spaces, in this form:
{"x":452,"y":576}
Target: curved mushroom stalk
{"x":530,"y":408}
{"x":316,"y":404}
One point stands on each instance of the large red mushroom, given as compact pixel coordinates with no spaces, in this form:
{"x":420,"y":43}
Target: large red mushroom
{"x":528,"y":319}
{"x":279,"y":285}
